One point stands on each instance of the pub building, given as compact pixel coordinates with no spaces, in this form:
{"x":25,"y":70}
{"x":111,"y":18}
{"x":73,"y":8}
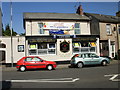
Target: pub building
{"x":58,"y":36}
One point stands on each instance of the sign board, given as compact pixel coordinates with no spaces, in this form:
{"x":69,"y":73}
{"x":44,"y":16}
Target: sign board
{"x":64,"y":46}
{"x":58,"y":25}
{"x":20,"y":48}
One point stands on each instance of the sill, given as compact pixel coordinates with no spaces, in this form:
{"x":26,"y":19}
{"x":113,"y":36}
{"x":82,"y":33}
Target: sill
{"x":109,"y":34}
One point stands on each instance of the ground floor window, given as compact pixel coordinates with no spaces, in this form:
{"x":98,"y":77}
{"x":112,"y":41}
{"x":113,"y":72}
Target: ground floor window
{"x":79,"y":47}
{"x":42,"y":48}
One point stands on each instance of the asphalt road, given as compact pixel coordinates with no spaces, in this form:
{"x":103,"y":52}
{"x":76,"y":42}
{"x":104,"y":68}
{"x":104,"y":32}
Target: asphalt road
{"x":87,"y":77}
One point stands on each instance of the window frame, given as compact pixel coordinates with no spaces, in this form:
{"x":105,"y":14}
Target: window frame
{"x":23,"y":49}
{"x":76,"y":29}
{"x":38,"y":50}
{"x":41,"y":29}
{"x":108,"y":29}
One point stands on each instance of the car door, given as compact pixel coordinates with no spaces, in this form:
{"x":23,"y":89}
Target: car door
{"x":39,"y":63}
{"x":86,"y":59}
{"x":29,"y":63}
{"x":95,"y":59}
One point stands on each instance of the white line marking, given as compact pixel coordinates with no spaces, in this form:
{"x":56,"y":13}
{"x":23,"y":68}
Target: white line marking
{"x":54,"y":79}
{"x":110,"y":75}
{"x":75,"y":79}
{"x":47,"y":80}
{"x":113,"y":77}
{"x":116,"y":80}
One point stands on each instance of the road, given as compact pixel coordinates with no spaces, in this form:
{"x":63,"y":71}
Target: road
{"x":87,"y":77}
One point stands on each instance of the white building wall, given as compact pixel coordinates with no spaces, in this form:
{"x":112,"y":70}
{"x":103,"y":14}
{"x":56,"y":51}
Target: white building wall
{"x":85,"y":28}
{"x":16,"y":41}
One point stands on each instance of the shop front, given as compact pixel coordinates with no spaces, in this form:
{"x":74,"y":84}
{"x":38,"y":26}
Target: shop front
{"x":60,"y":47}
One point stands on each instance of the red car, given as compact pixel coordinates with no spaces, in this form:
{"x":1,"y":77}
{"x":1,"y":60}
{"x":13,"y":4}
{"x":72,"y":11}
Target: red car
{"x":33,"y":62}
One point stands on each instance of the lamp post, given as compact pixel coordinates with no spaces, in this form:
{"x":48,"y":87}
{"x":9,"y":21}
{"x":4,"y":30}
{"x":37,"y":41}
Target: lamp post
{"x":11,"y":33}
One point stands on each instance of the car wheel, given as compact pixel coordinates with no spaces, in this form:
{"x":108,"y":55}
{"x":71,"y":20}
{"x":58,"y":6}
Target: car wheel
{"x":49,"y":67}
{"x":80,"y":65}
{"x":22,"y":68}
{"x":104,"y":63}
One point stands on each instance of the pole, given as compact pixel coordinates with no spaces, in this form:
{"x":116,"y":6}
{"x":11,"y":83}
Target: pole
{"x":11,"y":33}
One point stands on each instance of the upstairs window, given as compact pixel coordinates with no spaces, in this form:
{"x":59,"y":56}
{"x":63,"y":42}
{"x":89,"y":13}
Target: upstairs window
{"x":41,"y":31}
{"x":119,"y":29}
{"x":108,"y":29}
{"x":77,"y":28}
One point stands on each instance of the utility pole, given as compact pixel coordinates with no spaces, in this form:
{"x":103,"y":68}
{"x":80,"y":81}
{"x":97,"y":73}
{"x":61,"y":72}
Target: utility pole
{"x":11,"y":33}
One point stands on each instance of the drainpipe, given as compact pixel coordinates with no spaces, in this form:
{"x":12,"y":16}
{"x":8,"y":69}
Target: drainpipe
{"x":117,"y":28}
{"x":109,"y":47}
{"x":98,"y":46}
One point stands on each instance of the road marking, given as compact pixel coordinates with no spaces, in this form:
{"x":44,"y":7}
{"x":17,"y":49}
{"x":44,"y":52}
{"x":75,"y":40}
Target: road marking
{"x":55,"y":79}
{"x":113,"y":77}
{"x":60,"y":80}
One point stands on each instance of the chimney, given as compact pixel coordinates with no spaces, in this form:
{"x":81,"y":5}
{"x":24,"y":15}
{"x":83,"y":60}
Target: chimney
{"x":80,"y":10}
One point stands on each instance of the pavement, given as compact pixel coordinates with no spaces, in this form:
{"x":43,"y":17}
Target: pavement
{"x":59,"y":66}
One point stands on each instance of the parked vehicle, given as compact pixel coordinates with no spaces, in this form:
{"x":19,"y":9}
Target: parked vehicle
{"x":33,"y":62}
{"x":82,"y":59}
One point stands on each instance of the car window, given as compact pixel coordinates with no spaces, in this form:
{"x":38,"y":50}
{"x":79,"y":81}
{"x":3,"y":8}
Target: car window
{"x":94,"y":55}
{"x":80,"y":55}
{"x":28,"y":59}
{"x":89,"y":55}
{"x":36,"y":59}
{"x":85,"y":55}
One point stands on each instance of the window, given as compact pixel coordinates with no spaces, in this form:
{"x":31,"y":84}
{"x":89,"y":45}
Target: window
{"x":84,"y":44}
{"x":29,"y":59}
{"x":42,"y":48}
{"x":51,"y":48}
{"x":32,"y":52}
{"x":77,"y":28}
{"x":20,"y":48}
{"x":79,"y":47}
{"x":76,"y":50}
{"x":41,"y":28}
{"x":42,"y":45}
{"x":108,"y":29}
{"x":94,"y":56}
{"x":32,"y":46}
{"x":2,"y":45}
{"x":36,"y":59}
{"x":119,"y":29}
{"x":85,"y":49}
{"x":76,"y":47}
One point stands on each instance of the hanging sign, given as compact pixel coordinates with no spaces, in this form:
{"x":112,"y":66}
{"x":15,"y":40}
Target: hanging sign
{"x":64,"y":46}
{"x":58,"y":25}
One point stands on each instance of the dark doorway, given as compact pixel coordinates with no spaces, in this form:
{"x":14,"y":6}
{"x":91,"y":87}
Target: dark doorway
{"x":2,"y":55}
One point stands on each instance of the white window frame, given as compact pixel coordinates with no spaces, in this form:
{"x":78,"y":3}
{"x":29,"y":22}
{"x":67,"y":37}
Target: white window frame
{"x":51,"y":48}
{"x":41,"y":30}
{"x":83,"y":48}
{"x":37,"y":50}
{"x":108,"y":29}
{"x":77,"y":29}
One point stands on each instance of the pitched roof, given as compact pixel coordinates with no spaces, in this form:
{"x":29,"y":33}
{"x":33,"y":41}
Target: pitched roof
{"x":55,"y":16}
{"x":105,"y":18}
